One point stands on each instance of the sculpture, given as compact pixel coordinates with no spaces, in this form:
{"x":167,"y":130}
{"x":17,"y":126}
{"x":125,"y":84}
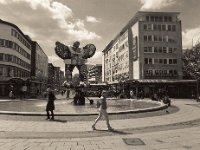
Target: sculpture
{"x":75,"y":56}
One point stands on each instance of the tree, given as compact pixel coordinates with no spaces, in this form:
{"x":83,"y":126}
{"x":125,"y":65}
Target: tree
{"x":191,"y":63}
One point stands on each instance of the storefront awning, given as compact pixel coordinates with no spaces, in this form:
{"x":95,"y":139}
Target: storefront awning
{"x":165,"y":81}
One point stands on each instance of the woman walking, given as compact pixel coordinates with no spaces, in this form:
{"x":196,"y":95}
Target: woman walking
{"x":50,"y":104}
{"x":102,"y":111}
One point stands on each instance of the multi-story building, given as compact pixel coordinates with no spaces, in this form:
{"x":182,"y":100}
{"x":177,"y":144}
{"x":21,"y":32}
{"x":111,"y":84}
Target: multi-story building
{"x":51,"y":74}
{"x":55,"y":76}
{"x":15,"y":58}
{"x":95,"y":73}
{"x":39,"y":68}
{"x":148,"y":47}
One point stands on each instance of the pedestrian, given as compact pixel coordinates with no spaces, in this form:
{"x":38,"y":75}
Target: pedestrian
{"x":102,"y":110}
{"x":166,"y":100}
{"x":50,"y":104}
{"x":68,"y":93}
{"x":11,"y":95}
{"x":131,"y":94}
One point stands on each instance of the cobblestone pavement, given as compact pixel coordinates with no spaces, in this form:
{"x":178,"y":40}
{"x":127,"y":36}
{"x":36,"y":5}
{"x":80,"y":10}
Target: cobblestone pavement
{"x":178,"y":130}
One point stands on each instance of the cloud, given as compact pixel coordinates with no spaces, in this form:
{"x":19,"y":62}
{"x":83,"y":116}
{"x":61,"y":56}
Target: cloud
{"x":92,"y":19}
{"x":53,"y":58}
{"x":191,"y":37}
{"x":3,"y":1}
{"x":98,"y":54}
{"x":96,"y":59}
{"x":46,"y":21}
{"x":50,"y":13}
{"x":155,"y":4}
{"x":78,"y":30}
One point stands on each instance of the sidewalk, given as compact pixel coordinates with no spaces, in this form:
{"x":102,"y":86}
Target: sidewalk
{"x":173,"y":131}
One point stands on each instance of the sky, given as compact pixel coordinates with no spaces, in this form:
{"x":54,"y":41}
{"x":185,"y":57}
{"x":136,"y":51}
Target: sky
{"x":91,"y":21}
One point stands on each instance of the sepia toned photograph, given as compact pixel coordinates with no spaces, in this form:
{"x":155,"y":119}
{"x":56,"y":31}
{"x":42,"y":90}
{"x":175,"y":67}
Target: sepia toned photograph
{"x":99,"y":75}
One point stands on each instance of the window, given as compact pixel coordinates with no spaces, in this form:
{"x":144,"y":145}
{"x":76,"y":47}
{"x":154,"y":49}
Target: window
{"x":163,"y":27}
{"x":160,"y":38}
{"x":148,"y":60}
{"x":174,"y":61}
{"x":155,"y":27}
{"x":149,"y":38}
{"x":2,"y":42}
{"x":165,"y":61}
{"x":175,"y":72}
{"x":149,"y":27}
{"x":148,"y":72}
{"x":175,"y":49}
{"x":145,"y":38}
{"x":8,"y":72}
{"x":165,"y":18}
{"x":155,"y":49}
{"x":150,"y":49}
{"x":160,"y":18}
{"x":164,"y":50}
{"x":156,"y":61}
{"x":147,"y":18}
{"x":155,"y":38}
{"x":156,"y":18}
{"x":169,"y":18}
{"x":160,"y":50}
{"x":1,"y":56}
{"x":145,"y":26}
{"x":164,"y":39}
{"x":152,"y":18}
{"x":170,"y":61}
{"x":145,"y":49}
{"x":173,"y":27}
{"x":169,"y":28}
{"x":170,"y":50}
{"x":10,"y":44}
{"x":1,"y":71}
{"x":159,"y":27}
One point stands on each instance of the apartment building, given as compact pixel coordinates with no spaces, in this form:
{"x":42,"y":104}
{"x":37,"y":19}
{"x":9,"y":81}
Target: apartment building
{"x":147,"y":50}
{"x":39,"y":69}
{"x":95,"y":74}
{"x":15,"y":56}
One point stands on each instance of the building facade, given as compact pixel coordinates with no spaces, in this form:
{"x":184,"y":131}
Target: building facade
{"x":15,"y":58}
{"x":55,"y":77}
{"x":39,"y":69}
{"x":95,"y":74}
{"x":147,"y":49}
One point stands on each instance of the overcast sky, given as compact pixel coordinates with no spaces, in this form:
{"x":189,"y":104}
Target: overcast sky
{"x":90,"y":21}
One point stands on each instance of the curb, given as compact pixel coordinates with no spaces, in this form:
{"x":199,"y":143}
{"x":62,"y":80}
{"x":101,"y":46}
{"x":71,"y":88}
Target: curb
{"x":160,"y":107}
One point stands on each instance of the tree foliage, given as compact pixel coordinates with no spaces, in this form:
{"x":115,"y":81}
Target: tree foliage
{"x":191,"y":63}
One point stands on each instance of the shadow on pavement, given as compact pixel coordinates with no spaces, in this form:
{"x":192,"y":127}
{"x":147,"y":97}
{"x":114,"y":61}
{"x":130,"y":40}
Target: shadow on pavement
{"x":59,"y":120}
{"x":113,"y":131}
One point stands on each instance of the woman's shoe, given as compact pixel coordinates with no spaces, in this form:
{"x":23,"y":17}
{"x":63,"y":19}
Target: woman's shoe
{"x":93,"y":127}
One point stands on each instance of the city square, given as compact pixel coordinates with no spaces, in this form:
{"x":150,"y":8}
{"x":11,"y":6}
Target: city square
{"x":75,"y":77}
